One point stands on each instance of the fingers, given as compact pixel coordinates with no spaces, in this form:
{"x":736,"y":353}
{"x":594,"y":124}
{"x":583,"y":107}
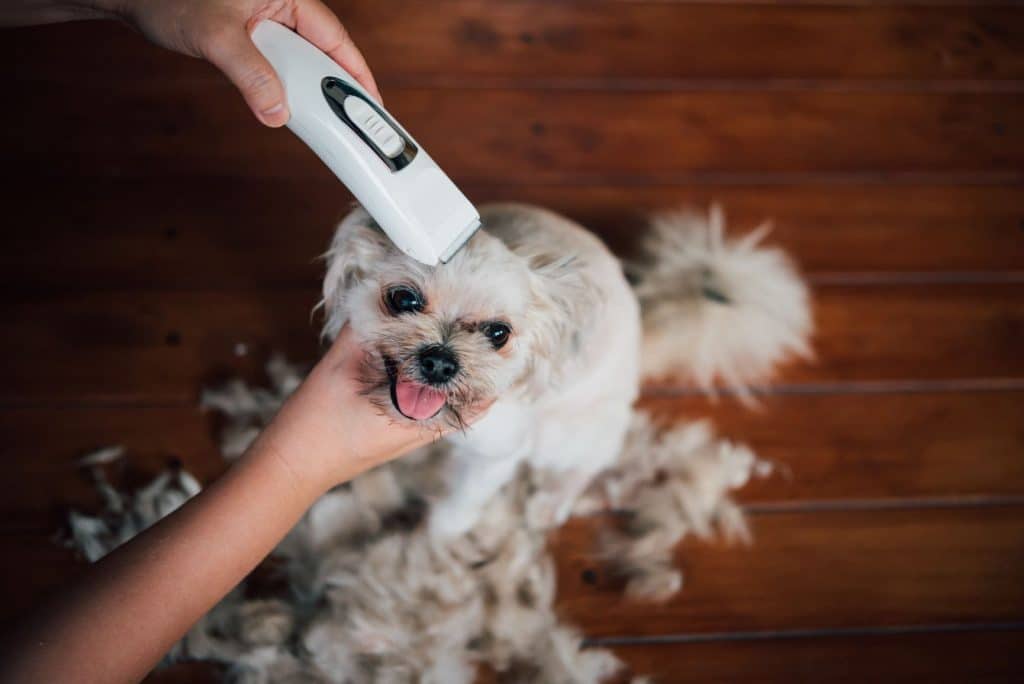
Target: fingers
{"x":315,"y":22}
{"x":232,"y":51}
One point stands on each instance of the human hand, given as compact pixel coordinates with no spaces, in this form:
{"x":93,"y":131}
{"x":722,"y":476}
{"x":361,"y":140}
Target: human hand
{"x":329,"y":431}
{"x":219,"y":31}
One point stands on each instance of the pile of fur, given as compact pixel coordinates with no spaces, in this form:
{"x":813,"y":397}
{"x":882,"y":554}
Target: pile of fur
{"x":369,"y":596}
{"x":372,"y":598}
{"x":715,"y":309}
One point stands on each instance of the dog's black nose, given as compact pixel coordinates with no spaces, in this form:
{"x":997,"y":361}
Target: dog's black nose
{"x":437,"y":364}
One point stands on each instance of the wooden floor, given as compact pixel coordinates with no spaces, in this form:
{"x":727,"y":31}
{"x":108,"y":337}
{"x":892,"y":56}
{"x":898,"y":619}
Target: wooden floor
{"x":152,"y":227}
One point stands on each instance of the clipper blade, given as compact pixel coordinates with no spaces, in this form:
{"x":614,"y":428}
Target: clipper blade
{"x":460,"y":240}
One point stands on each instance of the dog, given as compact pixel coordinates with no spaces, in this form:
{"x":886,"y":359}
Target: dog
{"x":533,"y":314}
{"x":536,"y":315}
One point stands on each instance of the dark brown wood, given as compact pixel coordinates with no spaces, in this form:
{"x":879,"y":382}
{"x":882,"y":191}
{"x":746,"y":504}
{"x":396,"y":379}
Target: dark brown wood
{"x":240,"y":233}
{"x":994,"y":657}
{"x":149,"y":347}
{"x":187,"y":673}
{"x":916,"y":332}
{"x":836,"y":449}
{"x":163,"y":240}
{"x":807,"y":571}
{"x":163,"y":130}
{"x":893,"y":447}
{"x":42,"y":448}
{"x":163,"y":346}
{"x":934,"y":658}
{"x":840,"y":569}
{"x":608,"y":42}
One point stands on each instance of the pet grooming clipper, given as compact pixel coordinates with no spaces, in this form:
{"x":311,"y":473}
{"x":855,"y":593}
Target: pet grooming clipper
{"x":412,"y":200}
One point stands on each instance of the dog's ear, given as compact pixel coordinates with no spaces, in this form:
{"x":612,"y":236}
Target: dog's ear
{"x":358,"y":243}
{"x":569,"y":299}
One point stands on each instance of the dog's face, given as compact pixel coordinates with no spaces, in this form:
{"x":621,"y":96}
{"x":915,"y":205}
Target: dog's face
{"x":442,"y":340}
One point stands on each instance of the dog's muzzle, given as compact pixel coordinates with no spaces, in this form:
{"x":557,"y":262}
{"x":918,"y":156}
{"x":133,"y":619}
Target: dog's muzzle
{"x":420,"y":401}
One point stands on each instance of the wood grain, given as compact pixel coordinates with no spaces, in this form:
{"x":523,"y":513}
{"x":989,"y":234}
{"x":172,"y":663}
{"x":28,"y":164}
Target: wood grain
{"x":933,"y":658}
{"x":149,"y":347}
{"x":166,"y":240}
{"x":166,"y":131}
{"x":843,"y":569}
{"x":42,"y":452}
{"x":936,"y":658}
{"x":538,"y":42}
{"x":234,"y":233}
{"x":806,"y":571}
{"x":891,"y":449}
{"x":163,"y":346}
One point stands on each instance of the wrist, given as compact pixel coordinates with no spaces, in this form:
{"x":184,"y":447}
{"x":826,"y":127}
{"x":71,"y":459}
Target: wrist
{"x":310,"y":438}
{"x":279,"y":459}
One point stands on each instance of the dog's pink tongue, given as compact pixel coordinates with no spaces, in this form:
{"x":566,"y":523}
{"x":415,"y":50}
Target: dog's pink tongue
{"x":416,"y":401}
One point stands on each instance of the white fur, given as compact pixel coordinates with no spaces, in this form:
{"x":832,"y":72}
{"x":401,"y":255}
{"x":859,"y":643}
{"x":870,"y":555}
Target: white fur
{"x":375,"y":596}
{"x":375,"y":600}
{"x":564,"y":384}
{"x":718,"y":309}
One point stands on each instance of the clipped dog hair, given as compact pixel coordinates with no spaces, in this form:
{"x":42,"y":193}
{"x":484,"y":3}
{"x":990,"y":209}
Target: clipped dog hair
{"x":372,"y":592}
{"x":718,"y":309}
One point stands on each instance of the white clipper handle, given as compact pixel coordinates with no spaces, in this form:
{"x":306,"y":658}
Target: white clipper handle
{"x":392,"y":176}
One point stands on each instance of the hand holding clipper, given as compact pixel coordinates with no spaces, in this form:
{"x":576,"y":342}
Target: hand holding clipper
{"x":419,"y":208}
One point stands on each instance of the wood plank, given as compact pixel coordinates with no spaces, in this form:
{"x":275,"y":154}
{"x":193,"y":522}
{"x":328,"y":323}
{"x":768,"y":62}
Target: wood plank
{"x":531,"y":42}
{"x":831,"y":570}
{"x":933,"y":658}
{"x":685,"y":41}
{"x":916,"y":332}
{"x":125,"y":234}
{"x":162,"y":346}
{"x":37,"y":567}
{"x":872,"y":447}
{"x":41,"y":448}
{"x":848,"y":569}
{"x":187,"y":673}
{"x":163,"y":131}
{"x":148,"y":347}
{"x":841,"y":449}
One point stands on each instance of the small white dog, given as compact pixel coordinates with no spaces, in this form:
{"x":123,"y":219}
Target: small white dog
{"x":535,"y":314}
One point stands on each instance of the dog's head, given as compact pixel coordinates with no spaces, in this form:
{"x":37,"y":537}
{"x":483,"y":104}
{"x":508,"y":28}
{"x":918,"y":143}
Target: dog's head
{"x":496,"y":319}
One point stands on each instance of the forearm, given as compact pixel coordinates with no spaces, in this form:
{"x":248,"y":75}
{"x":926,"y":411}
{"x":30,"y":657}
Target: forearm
{"x":115,"y":624}
{"x":134,"y":604}
{"x":32,"y":12}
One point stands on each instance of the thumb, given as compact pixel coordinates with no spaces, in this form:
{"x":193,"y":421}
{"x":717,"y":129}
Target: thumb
{"x":234,"y":53}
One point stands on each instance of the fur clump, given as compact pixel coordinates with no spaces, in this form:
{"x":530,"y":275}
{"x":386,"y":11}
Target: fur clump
{"x":363,"y":591}
{"x":370,"y":596}
{"x":668,"y":484}
{"x":715,"y":309}
{"x":125,"y":515}
{"x":249,"y":409}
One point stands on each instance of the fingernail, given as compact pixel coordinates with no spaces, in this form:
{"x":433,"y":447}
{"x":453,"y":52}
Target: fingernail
{"x":272,"y":112}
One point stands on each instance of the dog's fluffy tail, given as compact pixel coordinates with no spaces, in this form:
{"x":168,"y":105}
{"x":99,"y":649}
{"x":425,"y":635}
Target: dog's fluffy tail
{"x":718,"y":312}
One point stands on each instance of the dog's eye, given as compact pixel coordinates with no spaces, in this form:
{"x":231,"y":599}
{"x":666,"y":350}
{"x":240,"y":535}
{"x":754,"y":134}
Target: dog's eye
{"x":497,"y":333}
{"x":404,"y":300}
